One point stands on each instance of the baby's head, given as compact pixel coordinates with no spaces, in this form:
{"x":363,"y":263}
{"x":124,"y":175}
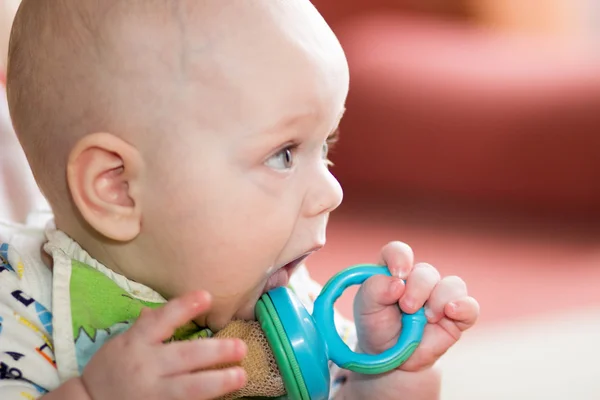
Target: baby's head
{"x":183,"y":143}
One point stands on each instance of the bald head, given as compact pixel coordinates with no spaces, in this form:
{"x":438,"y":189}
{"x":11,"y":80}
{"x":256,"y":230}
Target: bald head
{"x":136,"y":68}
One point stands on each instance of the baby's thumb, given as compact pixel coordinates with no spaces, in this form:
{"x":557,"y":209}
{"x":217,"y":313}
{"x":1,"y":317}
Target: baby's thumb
{"x":376,"y":294}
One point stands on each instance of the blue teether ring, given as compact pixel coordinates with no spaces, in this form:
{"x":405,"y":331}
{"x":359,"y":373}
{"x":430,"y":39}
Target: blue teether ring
{"x":304,"y":343}
{"x":338,"y":352}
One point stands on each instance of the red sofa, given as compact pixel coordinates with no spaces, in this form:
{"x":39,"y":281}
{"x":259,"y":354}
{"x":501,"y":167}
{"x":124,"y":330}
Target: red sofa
{"x":444,"y":112}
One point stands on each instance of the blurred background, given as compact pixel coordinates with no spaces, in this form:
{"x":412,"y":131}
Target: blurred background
{"x":473,"y":134}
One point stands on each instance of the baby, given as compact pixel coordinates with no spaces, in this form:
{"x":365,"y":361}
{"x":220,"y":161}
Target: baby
{"x":182,"y":145}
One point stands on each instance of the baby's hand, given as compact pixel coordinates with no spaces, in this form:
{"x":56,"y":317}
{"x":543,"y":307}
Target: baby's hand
{"x":449,"y":309}
{"x":138,"y":365}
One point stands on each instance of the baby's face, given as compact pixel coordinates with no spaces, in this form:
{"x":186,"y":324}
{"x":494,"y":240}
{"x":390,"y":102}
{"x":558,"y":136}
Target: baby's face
{"x":241,"y":192}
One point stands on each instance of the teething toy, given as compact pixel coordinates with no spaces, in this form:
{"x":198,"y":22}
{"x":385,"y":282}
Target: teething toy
{"x":301,"y":344}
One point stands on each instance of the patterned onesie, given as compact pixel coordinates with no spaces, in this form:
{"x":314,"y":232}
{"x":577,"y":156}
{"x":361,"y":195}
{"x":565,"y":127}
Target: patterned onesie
{"x":53,"y":322}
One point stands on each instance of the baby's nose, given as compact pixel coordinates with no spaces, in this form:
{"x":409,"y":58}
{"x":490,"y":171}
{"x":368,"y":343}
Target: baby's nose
{"x":325,"y":194}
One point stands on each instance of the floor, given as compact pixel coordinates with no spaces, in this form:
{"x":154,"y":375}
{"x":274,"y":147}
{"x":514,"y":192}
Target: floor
{"x":537,"y":283}
{"x":550,"y":357}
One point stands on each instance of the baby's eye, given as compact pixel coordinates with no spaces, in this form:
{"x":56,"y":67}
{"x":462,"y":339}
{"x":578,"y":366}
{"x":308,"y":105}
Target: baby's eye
{"x":282,"y":160}
{"x":325,"y":155}
{"x":329,"y":143}
{"x":325,"y":151}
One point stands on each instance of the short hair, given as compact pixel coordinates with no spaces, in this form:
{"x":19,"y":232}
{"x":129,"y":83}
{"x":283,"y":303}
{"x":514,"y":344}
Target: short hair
{"x":61,"y":60}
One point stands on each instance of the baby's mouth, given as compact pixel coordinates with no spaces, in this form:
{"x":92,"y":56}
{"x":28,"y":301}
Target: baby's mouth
{"x":281,"y":277}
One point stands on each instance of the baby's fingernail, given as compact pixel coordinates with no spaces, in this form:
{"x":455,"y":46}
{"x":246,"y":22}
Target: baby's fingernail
{"x":235,"y":346}
{"x":453,"y":307}
{"x":409,"y":303}
{"x":238,"y":375}
{"x":396,"y":285}
{"x":403,"y":274}
{"x":429,"y":313}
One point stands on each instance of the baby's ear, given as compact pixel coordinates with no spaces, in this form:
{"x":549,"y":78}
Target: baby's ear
{"x":104,"y":176}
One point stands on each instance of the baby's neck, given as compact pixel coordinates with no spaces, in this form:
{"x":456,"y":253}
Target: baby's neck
{"x":99,"y":248}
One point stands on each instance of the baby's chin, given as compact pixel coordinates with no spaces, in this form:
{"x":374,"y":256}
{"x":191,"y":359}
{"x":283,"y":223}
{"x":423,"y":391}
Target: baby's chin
{"x":243,"y":308}
{"x":216,"y":322}
{"x":246,"y":313}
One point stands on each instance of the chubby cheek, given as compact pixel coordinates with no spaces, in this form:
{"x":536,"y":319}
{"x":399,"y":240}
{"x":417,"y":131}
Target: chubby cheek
{"x":232,"y":267}
{"x":224,"y":239}
{"x":234,"y":275}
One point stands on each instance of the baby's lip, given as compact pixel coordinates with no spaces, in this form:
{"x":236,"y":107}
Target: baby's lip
{"x":281,"y":276}
{"x":291,"y":266}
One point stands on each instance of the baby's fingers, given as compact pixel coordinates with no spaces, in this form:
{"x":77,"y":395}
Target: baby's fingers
{"x":376,"y":294}
{"x":398,"y":257}
{"x":448,"y":290}
{"x":376,"y":313}
{"x":464,"y":312}
{"x":190,"y":356}
{"x":206,"y":385}
{"x":159,"y":324}
{"x":419,"y":286}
